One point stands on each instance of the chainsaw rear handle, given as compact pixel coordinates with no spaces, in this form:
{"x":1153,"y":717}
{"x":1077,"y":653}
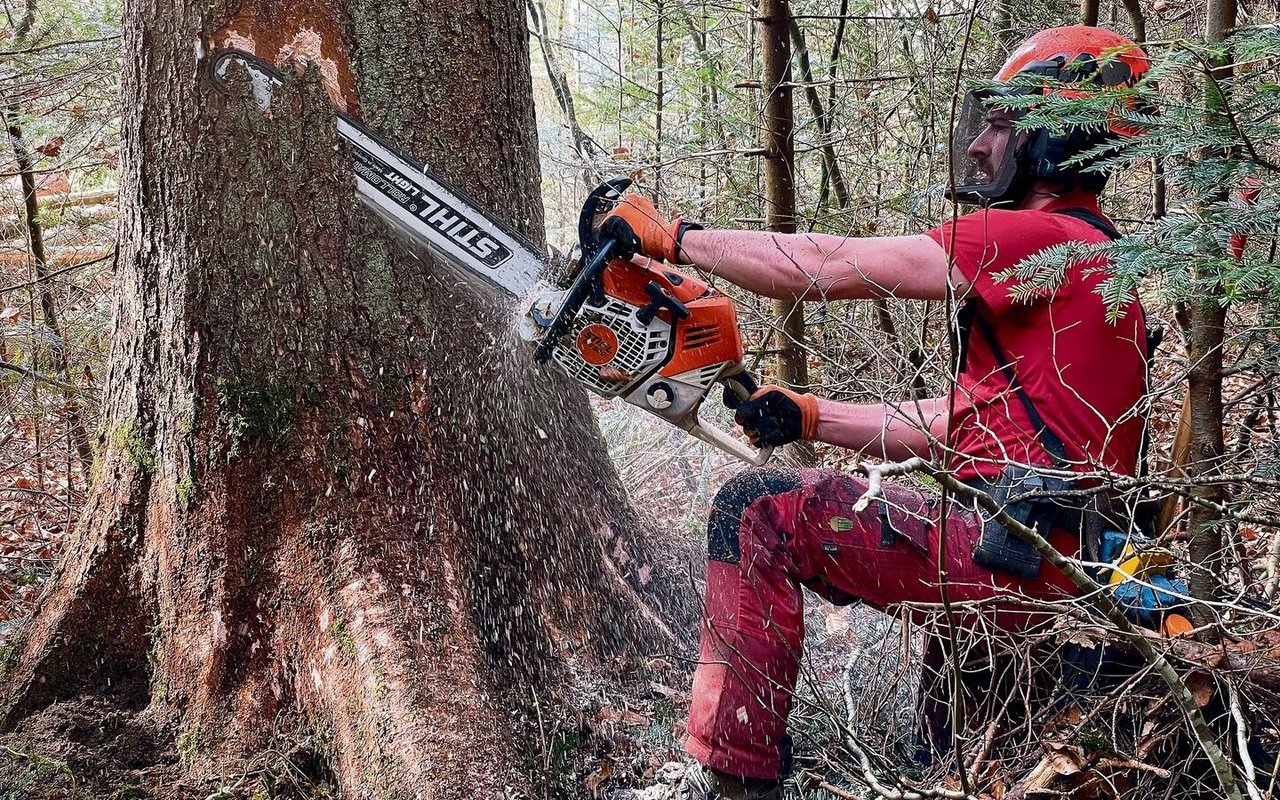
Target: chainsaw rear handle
{"x":740,"y":386}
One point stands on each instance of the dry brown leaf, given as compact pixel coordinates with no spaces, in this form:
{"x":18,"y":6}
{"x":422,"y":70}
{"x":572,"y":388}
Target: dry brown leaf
{"x":595,"y":779}
{"x":1065,"y":763}
{"x":52,"y":147}
{"x":674,"y":695}
{"x":636,"y":719}
{"x":1066,"y":759}
{"x":1201,"y":687}
{"x":996,"y":780}
{"x":1079,"y":636}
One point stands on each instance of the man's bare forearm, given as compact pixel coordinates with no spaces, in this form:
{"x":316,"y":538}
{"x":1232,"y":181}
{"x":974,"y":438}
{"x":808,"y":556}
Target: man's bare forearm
{"x":813,"y":265}
{"x":894,"y":432}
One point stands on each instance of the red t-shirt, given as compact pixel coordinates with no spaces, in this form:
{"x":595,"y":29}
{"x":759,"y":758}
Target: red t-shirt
{"x":1084,"y":375}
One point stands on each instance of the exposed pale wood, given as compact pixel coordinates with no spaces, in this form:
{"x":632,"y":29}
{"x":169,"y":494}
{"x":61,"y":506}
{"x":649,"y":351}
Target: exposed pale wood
{"x":58,"y":257}
{"x":1177,"y":465}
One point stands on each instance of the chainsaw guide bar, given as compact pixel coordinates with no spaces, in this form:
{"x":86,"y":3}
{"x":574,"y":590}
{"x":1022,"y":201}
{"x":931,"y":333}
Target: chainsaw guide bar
{"x":409,"y":197}
{"x":650,"y":335}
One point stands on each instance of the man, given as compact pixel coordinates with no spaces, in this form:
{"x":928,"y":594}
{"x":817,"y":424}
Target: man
{"x":1048,"y":382}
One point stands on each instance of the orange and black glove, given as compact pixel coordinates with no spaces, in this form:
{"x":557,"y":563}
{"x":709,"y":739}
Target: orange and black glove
{"x":638,"y":228}
{"x":776,"y":416}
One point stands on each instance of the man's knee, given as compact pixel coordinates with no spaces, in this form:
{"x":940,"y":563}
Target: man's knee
{"x":733,"y":500}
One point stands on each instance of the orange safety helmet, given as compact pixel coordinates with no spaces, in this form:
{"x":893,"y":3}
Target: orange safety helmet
{"x":995,"y":164}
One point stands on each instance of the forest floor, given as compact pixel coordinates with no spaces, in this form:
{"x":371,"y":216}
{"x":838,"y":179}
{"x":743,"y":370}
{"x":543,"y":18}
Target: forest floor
{"x":616,"y":742}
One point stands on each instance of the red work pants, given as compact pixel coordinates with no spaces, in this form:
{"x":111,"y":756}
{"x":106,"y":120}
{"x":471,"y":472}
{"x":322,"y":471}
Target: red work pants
{"x":771,"y":532}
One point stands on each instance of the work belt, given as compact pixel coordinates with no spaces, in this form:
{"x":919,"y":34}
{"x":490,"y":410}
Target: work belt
{"x":1030,"y":499}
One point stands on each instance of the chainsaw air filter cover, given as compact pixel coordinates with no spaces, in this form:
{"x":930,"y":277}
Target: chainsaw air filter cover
{"x":612,"y":349}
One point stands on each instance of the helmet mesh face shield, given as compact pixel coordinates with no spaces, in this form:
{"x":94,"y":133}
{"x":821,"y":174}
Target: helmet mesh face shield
{"x":983,"y":150}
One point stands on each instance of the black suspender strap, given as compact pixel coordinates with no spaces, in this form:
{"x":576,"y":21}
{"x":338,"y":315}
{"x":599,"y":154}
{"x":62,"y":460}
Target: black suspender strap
{"x":1094,"y":219}
{"x":969,"y":317}
{"x":1048,"y":439}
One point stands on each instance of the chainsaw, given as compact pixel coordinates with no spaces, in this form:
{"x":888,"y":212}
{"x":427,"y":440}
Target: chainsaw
{"x":656,"y":337}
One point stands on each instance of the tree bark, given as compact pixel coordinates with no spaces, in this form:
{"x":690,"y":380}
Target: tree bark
{"x":1137,"y":18}
{"x":332,"y":499}
{"x":1089,"y":12}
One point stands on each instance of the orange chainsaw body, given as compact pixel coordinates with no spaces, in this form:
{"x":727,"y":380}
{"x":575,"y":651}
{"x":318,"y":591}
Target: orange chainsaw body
{"x":709,"y":335}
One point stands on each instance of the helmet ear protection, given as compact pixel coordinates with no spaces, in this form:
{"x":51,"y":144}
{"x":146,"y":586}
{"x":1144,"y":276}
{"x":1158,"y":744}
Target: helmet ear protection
{"x":1046,"y":150}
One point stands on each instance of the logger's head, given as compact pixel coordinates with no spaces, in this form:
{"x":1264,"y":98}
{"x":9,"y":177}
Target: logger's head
{"x":996,"y":163}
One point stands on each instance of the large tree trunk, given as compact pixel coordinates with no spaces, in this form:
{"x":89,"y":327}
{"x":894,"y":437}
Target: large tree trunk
{"x":333,"y":496}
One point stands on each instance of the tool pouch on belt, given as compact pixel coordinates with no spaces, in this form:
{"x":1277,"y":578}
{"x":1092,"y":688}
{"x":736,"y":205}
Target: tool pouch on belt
{"x":1021,"y":492}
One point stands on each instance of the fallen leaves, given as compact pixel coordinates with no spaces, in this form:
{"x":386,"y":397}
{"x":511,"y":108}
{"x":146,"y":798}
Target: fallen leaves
{"x":1201,"y":686}
{"x":51,"y":147}
{"x":595,"y":781}
{"x":674,"y":695}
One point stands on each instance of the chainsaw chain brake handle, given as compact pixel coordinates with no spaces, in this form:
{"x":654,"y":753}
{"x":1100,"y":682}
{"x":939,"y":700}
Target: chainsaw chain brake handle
{"x":596,"y":254}
{"x":599,"y":203}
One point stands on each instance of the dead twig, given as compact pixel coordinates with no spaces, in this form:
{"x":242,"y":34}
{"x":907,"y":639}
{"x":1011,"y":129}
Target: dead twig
{"x":1103,"y":601}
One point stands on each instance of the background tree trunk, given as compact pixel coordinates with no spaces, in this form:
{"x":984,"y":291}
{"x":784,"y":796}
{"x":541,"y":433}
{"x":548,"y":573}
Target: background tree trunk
{"x":1205,"y":339}
{"x":1089,"y":12}
{"x":780,"y":187}
{"x":334,"y":498}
